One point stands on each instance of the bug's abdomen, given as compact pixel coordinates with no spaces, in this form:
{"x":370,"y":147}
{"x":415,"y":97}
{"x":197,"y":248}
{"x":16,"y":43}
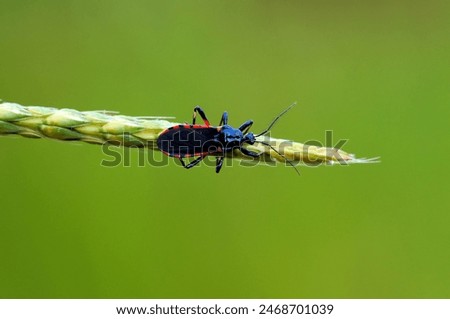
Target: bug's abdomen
{"x":189,"y":140}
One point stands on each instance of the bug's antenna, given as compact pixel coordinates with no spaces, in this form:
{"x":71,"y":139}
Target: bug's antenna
{"x":290,"y":162}
{"x":276,"y":119}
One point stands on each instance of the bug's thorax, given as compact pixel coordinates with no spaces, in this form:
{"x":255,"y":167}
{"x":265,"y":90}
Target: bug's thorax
{"x":230,"y":136}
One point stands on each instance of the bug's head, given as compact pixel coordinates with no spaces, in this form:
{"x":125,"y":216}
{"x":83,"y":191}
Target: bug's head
{"x":249,"y":138}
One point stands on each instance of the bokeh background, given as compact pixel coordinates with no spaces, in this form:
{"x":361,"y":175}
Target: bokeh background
{"x":374,"y":72}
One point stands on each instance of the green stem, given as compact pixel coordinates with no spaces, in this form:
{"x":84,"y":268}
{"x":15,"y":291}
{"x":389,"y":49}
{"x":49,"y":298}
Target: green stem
{"x":99,"y":127}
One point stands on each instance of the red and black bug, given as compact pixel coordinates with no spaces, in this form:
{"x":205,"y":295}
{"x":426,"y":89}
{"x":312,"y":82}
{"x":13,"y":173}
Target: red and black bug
{"x":194,"y":140}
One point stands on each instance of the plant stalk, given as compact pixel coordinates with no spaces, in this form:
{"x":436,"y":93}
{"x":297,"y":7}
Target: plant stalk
{"x":100,"y":127}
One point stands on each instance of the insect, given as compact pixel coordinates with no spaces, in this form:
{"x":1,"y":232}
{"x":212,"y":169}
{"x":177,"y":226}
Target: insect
{"x":194,"y":140}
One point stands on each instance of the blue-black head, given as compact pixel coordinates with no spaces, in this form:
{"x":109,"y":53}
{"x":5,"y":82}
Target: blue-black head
{"x":249,"y":138}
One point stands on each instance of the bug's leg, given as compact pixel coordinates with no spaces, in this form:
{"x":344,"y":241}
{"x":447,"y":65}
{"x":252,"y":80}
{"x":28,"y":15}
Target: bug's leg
{"x":245,"y":127}
{"x":219,"y":163}
{"x":199,"y":110}
{"x":250,"y":153}
{"x":182,"y":162}
{"x":224,"y":119}
{"x":195,"y":162}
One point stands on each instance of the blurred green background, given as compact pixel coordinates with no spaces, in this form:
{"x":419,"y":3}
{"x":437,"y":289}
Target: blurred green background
{"x":374,"y":72}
